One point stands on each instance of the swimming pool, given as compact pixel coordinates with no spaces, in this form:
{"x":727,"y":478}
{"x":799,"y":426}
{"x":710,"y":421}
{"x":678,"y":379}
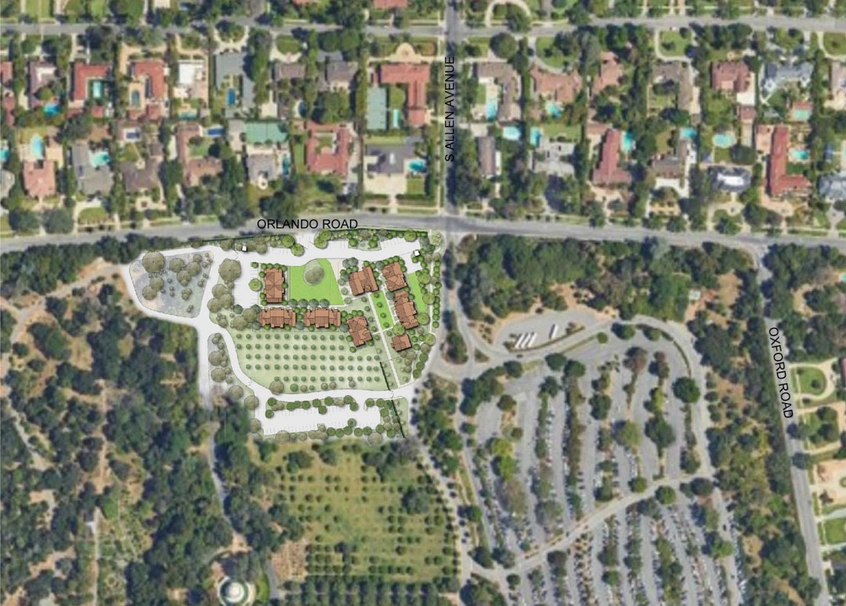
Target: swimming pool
{"x":132,"y":135}
{"x":628,"y":142}
{"x":214,"y":131}
{"x":286,"y":166}
{"x":230,"y":97}
{"x":801,"y":115}
{"x":53,"y":108}
{"x":4,"y":155}
{"x":553,"y":109}
{"x":100,"y":158}
{"x":799,"y":155}
{"x":511,"y":133}
{"x":37,"y":147}
{"x":97,"y":89}
{"x":491,"y":109}
{"x":395,"y":118}
{"x":535,"y":136}
{"x":687,"y":132}
{"x":724,"y":140}
{"x":417,"y":166}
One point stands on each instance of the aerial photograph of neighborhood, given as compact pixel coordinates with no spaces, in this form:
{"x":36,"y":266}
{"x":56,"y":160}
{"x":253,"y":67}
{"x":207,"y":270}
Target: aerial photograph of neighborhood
{"x":423,"y":302}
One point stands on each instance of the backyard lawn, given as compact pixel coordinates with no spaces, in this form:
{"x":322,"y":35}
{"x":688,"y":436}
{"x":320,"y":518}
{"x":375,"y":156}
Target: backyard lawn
{"x":811,"y":381}
{"x":307,"y":282}
{"x":392,"y":524}
{"x":834,"y":531}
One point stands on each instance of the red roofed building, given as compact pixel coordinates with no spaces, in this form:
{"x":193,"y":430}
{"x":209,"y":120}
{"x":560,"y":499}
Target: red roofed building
{"x":332,"y":159}
{"x":83,"y":73}
{"x":610,"y":73}
{"x":39,"y":178}
{"x":730,"y":76}
{"x":416,"y":78}
{"x":561,"y":88}
{"x":386,"y":5}
{"x":780,"y":182}
{"x":148,"y":89}
{"x":608,"y":172}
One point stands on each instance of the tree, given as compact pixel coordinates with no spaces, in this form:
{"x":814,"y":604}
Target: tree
{"x":504,"y":46}
{"x":415,"y":501}
{"x":665,"y":495}
{"x":23,"y":220}
{"x":153,"y":262}
{"x":686,"y":390}
{"x":58,"y":221}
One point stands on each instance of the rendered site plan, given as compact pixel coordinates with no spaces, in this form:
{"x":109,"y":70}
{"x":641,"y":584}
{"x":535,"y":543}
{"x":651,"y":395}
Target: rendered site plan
{"x":423,"y":302}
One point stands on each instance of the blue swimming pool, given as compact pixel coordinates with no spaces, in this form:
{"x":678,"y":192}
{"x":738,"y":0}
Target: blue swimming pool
{"x":37,"y":147}
{"x":799,"y":155}
{"x":687,"y":132}
{"x":286,"y":166}
{"x":230,"y":97}
{"x":724,"y":140}
{"x":52,"y":109}
{"x":395,"y":118}
{"x":554,"y":109}
{"x":535,"y":136}
{"x":801,"y":115}
{"x":132,"y":135}
{"x":100,"y":158}
{"x":628,"y":142}
{"x":417,"y":166}
{"x":4,"y":155}
{"x":214,"y":131}
{"x":511,"y":133}
{"x":97,"y":89}
{"x":491,"y":109}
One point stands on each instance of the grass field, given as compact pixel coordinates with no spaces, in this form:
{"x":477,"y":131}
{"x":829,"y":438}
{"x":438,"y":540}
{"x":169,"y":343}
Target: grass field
{"x":834,"y":44}
{"x":383,"y":312}
{"x":810,"y":381}
{"x":38,"y":9}
{"x":327,"y":288}
{"x":673,"y":44}
{"x":417,"y":291}
{"x":834,"y":531}
{"x":349,"y":504}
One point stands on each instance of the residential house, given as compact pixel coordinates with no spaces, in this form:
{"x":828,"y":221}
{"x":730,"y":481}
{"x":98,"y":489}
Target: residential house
{"x":610,"y":73}
{"x":489,"y":157}
{"x":147,"y":89}
{"x":394,"y":279}
{"x":388,"y":5}
{"x":90,"y":85}
{"x":777,"y":75}
{"x":390,"y":158}
{"x":194,"y":170}
{"x":7,"y":182}
{"x":609,"y":172}
{"x":833,"y":187}
{"x":680,"y":73}
{"x":230,"y":77}
{"x":92,"y":177}
{"x":363,"y":281}
{"x":277,"y":317}
{"x":286,"y":72}
{"x":673,"y":166}
{"x":551,"y":157}
{"x":262,"y":168}
{"x":730,"y":76}
{"x":192,"y":82}
{"x":39,"y":178}
{"x":780,"y":181}
{"x":41,"y":75}
{"x":730,"y":179}
{"x":322,"y":318}
{"x":143,"y":175}
{"x":746,"y":113}
{"x":560,"y":88}
{"x":503,"y":76}
{"x":406,"y":310}
{"x":274,"y":285}
{"x":837,"y":84}
{"x":415,"y":77}
{"x":358,"y":330}
{"x":334,"y":158}
{"x":337,"y":75}
{"x":401,"y":342}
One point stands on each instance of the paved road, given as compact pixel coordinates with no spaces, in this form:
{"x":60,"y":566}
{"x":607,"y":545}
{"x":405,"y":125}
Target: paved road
{"x":754,"y":243}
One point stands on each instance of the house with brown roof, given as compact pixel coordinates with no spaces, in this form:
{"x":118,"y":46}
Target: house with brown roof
{"x":333,"y":158}
{"x":730,"y":76}
{"x":406,"y":310}
{"x":779,"y":180}
{"x":90,"y":83}
{"x":274,"y":285}
{"x":609,"y":172}
{"x":363,"y":281}
{"x":322,"y":318}
{"x":610,"y":73}
{"x":673,"y":166}
{"x":561,"y":88}
{"x":837,"y":84}
{"x":147,"y":90}
{"x":387,"y":5}
{"x":488,"y":156}
{"x":401,"y":342}
{"x":277,"y":317}
{"x":39,"y":179}
{"x":415,"y":77}
{"x":680,"y":73}
{"x":502,"y":75}
{"x":394,"y":279}
{"x":41,"y":74}
{"x":358,"y":330}
{"x":194,"y":170}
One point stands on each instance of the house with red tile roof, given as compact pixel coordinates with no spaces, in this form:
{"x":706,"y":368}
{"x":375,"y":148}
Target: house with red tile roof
{"x":89,"y":84}
{"x":610,"y":73}
{"x":277,"y":317}
{"x":387,"y":5}
{"x":363,"y":281}
{"x":730,"y":76}
{"x":414,"y":76}
{"x":778,"y":179}
{"x":608,"y":171}
{"x":394,"y":279}
{"x":39,"y":179}
{"x":274,"y":285}
{"x":561,"y":88}
{"x":406,"y":310}
{"x":148,"y":89}
{"x":333,"y":158}
{"x":194,"y":170}
{"x":322,"y":318}
{"x":401,"y":342}
{"x":359,"y":331}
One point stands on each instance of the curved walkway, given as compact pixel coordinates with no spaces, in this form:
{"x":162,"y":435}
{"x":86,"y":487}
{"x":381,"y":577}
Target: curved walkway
{"x":519,"y":3}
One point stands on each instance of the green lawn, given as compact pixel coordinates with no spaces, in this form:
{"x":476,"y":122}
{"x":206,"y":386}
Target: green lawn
{"x":327,"y":288}
{"x":93,"y":215}
{"x":834,"y":44}
{"x":288,"y":45}
{"x":383,"y":311}
{"x":834,"y":531}
{"x":415,"y":186}
{"x":673,"y":44}
{"x":38,"y":9}
{"x":349,"y":503}
{"x":810,"y":381}
{"x":416,"y":290}
{"x":549,"y":53}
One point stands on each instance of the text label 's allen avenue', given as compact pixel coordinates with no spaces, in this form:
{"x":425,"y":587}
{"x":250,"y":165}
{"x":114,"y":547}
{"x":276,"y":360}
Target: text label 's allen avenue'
{"x":449,"y":109}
